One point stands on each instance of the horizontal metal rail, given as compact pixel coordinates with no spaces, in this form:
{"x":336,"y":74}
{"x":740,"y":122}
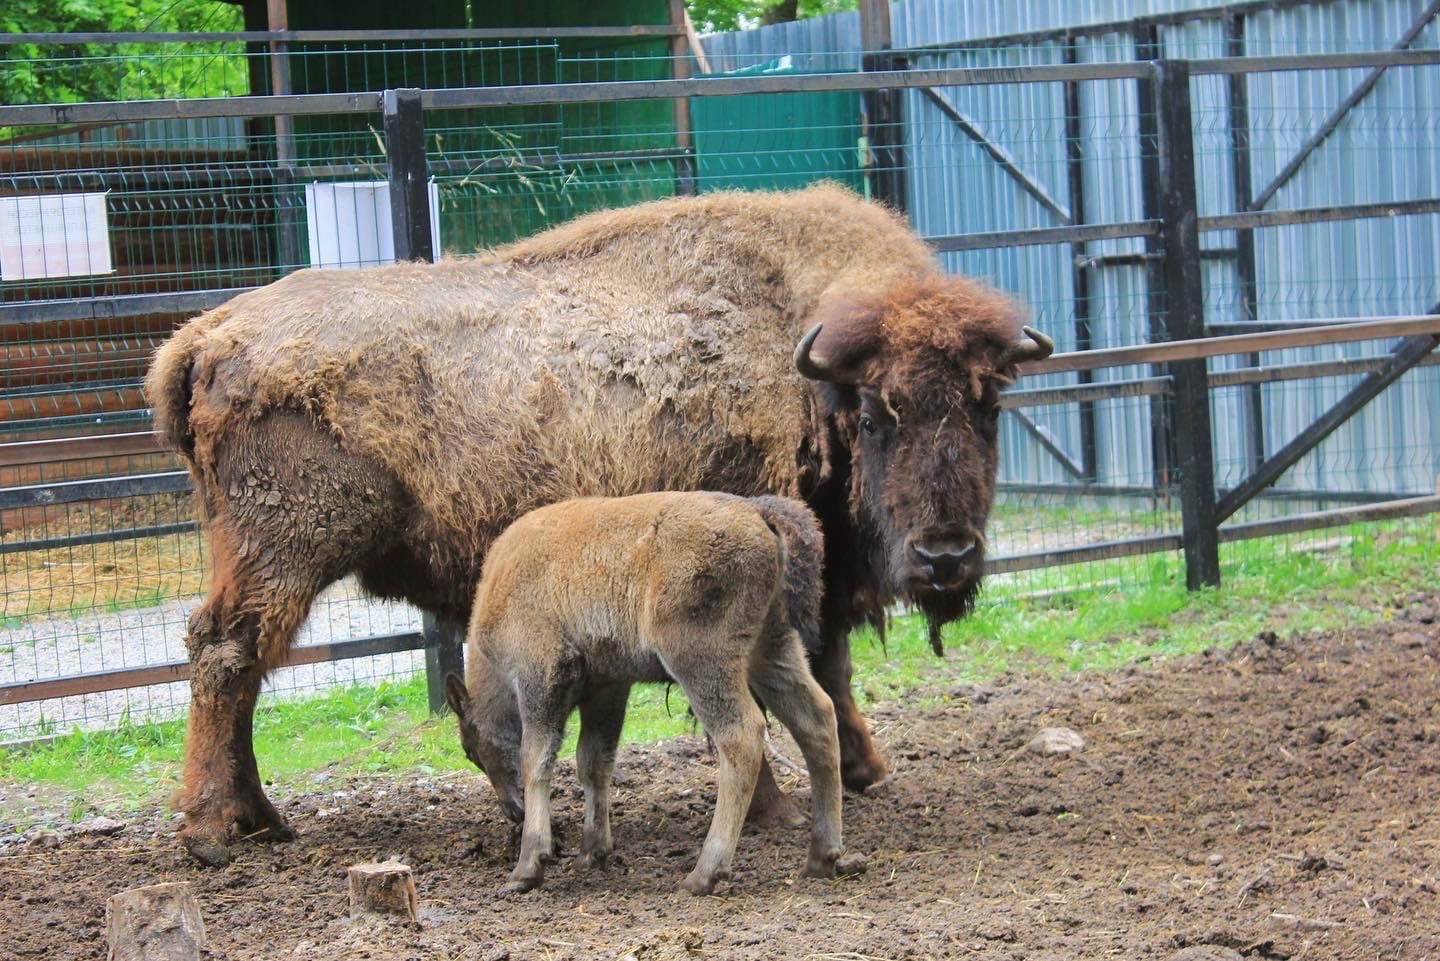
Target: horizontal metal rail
{"x":118,"y":305}
{"x":1044,"y":235}
{"x":1370,"y":328}
{"x":625,"y":90}
{"x":1220,"y":66}
{"x":349,"y":36}
{"x":21,"y":692}
{"x":1150,"y":228}
{"x":77,"y":492}
{"x":98,"y":537}
{"x":30,"y":452}
{"x":1159,"y":543}
{"x":1313,"y":215}
{"x":1341,"y":517}
{"x":1080,"y":393}
{"x":555,"y":93}
{"x":1268,"y":374}
{"x":1151,"y":492}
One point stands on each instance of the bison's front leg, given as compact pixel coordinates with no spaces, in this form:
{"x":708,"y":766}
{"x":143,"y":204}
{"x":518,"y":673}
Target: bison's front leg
{"x":222,"y":798}
{"x":860,"y":764}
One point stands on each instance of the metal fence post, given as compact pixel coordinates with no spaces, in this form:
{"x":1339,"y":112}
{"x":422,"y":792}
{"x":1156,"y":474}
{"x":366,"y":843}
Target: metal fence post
{"x":410,"y":219}
{"x":444,"y":654}
{"x":1171,"y":198}
{"x":409,"y":185}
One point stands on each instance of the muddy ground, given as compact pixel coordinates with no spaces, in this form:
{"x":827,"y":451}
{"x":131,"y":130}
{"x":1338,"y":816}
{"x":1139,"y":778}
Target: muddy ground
{"x":1280,"y":800}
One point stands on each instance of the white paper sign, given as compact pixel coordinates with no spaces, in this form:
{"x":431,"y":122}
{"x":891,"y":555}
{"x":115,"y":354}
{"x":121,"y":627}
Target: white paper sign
{"x":55,"y":235}
{"x":349,"y":223}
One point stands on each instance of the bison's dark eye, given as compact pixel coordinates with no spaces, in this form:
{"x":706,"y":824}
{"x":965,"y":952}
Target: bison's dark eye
{"x":867,"y":423}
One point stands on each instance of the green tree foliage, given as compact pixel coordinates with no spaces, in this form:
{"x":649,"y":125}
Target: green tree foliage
{"x":717,"y":16}
{"x":74,"y":72}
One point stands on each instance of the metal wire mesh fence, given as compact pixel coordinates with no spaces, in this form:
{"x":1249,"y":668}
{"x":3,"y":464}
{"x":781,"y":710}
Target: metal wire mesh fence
{"x":1062,"y":177}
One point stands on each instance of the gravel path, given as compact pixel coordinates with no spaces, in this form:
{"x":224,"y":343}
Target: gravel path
{"x":104,"y":641}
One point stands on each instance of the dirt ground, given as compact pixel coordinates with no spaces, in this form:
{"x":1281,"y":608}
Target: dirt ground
{"x":1280,"y":800}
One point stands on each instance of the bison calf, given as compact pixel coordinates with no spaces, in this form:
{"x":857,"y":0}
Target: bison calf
{"x":581,"y":599}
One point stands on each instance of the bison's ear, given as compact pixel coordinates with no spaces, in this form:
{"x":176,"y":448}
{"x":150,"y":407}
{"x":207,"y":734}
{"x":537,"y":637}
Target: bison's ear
{"x":456,"y":695}
{"x":844,"y":334}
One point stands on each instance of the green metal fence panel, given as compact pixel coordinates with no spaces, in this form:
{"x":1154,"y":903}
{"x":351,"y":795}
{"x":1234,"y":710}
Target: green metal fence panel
{"x":777,"y":141}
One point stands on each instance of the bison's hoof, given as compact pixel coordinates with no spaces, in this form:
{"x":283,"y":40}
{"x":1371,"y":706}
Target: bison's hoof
{"x":592,"y":860}
{"x":517,"y":886}
{"x":851,"y":863}
{"x":861,"y":773}
{"x":210,"y":852}
{"x":776,"y":811}
{"x":279,"y":831}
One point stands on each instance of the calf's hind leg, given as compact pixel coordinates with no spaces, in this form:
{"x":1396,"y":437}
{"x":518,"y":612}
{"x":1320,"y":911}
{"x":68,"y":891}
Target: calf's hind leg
{"x":289,"y":514}
{"x":781,"y":676}
{"x":721,"y":700}
{"x":602,"y":715}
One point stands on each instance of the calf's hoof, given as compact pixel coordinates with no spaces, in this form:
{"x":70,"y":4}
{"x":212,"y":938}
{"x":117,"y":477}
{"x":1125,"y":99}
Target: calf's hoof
{"x":821,"y":865}
{"x":851,"y":863}
{"x":701,"y":884}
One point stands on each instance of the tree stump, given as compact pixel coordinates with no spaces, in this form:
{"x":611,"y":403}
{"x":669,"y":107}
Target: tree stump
{"x":385,"y":889}
{"x":157,"y":923}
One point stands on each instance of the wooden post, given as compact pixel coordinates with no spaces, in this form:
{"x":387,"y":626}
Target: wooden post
{"x":277,"y":18}
{"x":157,"y":923}
{"x":884,"y":110}
{"x":685,"y":184}
{"x":386,"y":889}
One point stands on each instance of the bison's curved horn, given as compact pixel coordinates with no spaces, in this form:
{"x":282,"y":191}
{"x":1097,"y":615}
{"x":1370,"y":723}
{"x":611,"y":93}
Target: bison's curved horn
{"x":1034,"y":346}
{"x":816,"y":368}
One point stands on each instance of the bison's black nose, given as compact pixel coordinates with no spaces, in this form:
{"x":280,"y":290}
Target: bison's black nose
{"x":942,"y":562}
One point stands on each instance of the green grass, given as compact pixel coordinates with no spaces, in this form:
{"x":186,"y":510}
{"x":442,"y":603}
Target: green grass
{"x":1053,"y":621}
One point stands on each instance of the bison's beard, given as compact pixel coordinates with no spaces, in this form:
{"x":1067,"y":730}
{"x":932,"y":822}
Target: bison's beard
{"x":942,"y":607}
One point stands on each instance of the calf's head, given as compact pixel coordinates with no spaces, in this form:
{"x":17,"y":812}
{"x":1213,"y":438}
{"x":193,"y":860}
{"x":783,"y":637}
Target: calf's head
{"x":912,"y":393}
{"x":490,"y":734}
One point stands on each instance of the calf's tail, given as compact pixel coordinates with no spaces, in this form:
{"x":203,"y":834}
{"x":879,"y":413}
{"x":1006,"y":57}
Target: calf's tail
{"x":804,"y":550}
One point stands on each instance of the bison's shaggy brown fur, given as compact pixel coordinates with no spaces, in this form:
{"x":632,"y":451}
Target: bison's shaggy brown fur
{"x":581,"y":599}
{"x":609,"y":349}
{"x":391,"y":422}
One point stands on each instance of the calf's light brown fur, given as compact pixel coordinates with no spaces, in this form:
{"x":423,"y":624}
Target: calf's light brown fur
{"x":581,"y":599}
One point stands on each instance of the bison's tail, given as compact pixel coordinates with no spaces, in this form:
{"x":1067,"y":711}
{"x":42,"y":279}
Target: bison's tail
{"x":168,"y":387}
{"x":804,"y":549}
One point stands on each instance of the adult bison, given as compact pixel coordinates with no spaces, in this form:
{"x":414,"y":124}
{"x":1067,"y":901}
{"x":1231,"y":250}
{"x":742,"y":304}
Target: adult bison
{"x":392,"y":422}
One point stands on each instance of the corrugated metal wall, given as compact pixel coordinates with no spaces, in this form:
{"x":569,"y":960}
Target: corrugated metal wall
{"x":1383,"y":150}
